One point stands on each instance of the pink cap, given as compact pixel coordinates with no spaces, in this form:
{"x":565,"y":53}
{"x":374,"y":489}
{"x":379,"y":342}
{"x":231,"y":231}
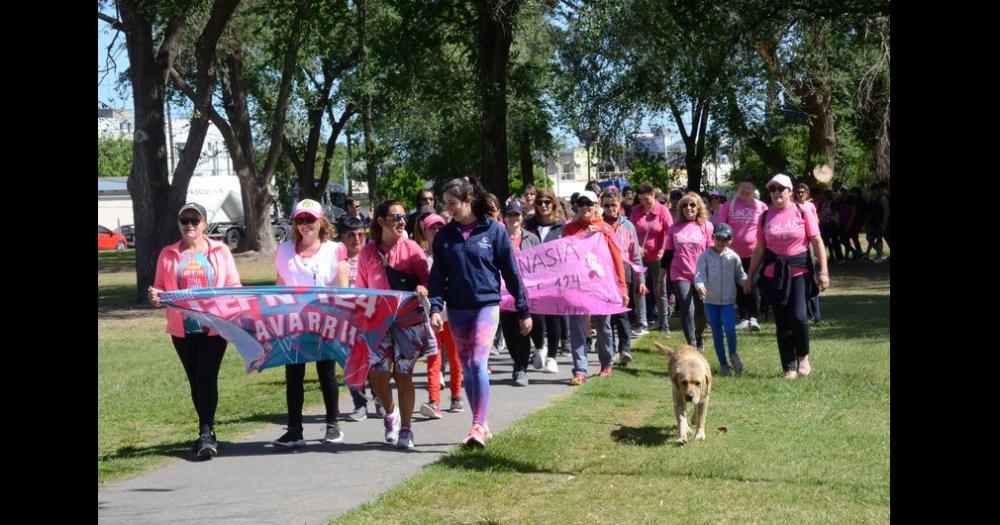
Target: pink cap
{"x":431,"y":220}
{"x":782,"y":180}
{"x":308,"y":206}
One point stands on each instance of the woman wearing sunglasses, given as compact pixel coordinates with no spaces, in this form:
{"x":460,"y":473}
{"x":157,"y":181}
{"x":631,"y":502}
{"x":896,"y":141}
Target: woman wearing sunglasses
{"x":470,"y":254}
{"x":311,"y":258}
{"x":196,"y":262}
{"x":588,"y":221}
{"x":547,"y":224}
{"x":790,"y":275}
{"x":391,"y":261}
{"x":687,"y":238}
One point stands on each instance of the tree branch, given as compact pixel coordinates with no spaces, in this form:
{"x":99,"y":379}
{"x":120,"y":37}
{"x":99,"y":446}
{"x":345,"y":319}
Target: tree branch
{"x":113,"y":22}
{"x":281,"y":106}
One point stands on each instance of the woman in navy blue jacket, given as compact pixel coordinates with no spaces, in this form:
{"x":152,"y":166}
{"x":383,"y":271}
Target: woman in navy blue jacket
{"x":470,"y":254}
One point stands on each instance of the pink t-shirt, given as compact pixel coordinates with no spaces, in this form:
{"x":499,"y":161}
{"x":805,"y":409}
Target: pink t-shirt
{"x":787,"y":233}
{"x":405,"y":256}
{"x":651,"y":229}
{"x":745,"y":220}
{"x":687,"y":240}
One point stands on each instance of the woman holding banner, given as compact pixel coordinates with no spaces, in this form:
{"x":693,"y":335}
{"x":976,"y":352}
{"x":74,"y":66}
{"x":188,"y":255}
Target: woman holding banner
{"x":547,"y":224}
{"x":588,"y":220}
{"x":196,"y":262}
{"x":311,"y":258}
{"x":470,"y":254}
{"x":392,"y":262}
{"x":690,"y":235}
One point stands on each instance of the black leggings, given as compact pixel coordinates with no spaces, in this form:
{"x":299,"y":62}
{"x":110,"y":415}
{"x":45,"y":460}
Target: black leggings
{"x":553,"y":333}
{"x":201,"y":355}
{"x":747,"y":304}
{"x":693,"y":319}
{"x":537,"y":331}
{"x":295,"y":391}
{"x":791,"y":324}
{"x":518,"y":345}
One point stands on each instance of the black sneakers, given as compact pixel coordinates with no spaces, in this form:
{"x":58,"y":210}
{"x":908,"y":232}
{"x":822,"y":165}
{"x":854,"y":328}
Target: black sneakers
{"x":207,"y":446}
{"x":292,"y":438}
{"x":333,"y":434}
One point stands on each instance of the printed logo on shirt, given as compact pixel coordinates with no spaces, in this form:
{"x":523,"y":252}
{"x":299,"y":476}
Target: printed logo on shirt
{"x":690,"y":236}
{"x":484,"y":243}
{"x":747,"y":214}
{"x":785,"y":228}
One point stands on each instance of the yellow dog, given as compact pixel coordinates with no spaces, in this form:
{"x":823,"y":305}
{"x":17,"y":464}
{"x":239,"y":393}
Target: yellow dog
{"x":692,"y":381}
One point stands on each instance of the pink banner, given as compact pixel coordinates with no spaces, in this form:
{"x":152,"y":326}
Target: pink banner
{"x":570,"y":276}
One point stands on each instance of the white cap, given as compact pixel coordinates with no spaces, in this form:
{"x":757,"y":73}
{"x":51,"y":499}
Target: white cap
{"x":591,"y":196}
{"x":781,"y":179}
{"x":310,"y":207}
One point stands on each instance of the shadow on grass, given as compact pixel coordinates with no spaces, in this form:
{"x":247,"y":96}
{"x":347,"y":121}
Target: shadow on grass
{"x":647,"y":436}
{"x":487,"y":460}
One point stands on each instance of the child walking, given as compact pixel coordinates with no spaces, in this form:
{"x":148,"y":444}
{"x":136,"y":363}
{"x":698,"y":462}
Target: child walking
{"x":716,"y":276}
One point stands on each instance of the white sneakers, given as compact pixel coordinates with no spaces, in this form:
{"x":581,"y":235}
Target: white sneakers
{"x":743,"y":325}
{"x":551,"y":366}
{"x":537,"y":360}
{"x":754,"y":327}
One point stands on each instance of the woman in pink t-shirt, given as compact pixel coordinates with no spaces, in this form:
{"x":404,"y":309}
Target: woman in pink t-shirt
{"x":390,"y":252}
{"x":790,"y":276}
{"x":196,"y":261}
{"x":690,"y":234}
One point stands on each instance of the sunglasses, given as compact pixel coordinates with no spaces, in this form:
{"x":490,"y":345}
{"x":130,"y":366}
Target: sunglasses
{"x":689,"y":205}
{"x":543,"y":202}
{"x":305,"y":219}
{"x":801,"y":192}
{"x":777,"y":189}
{"x":584,"y":204}
{"x":359,"y":235}
{"x":189,"y":221}
{"x":397,"y":217}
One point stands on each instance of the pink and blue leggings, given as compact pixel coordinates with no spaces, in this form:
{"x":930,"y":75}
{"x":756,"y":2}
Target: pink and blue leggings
{"x":473,"y":332}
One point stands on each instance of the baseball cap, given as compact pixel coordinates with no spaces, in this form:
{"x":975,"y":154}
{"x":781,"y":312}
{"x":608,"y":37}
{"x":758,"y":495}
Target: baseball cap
{"x":424,"y":211}
{"x":780,"y":179}
{"x":308,"y":206}
{"x":723,"y":230}
{"x":431,"y":220}
{"x":717,"y":193}
{"x":351,"y":224}
{"x":513,"y":207}
{"x":587,"y":194}
{"x":196,"y":207}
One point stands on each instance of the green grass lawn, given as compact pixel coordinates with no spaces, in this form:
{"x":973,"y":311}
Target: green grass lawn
{"x":814,"y":450}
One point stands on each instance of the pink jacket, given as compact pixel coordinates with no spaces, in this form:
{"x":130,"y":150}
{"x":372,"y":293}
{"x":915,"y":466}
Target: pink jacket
{"x":221,"y":259}
{"x":405,"y":256}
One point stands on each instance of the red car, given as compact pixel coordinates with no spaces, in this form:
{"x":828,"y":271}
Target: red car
{"x":109,"y":240}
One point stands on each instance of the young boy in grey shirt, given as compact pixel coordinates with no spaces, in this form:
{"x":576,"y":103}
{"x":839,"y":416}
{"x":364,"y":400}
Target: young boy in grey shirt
{"x":717,"y":275}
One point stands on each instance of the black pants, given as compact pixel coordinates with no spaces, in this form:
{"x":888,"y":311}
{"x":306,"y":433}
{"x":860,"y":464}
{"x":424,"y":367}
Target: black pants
{"x":812,"y":309}
{"x":831,"y":238}
{"x":518,"y":345}
{"x":791,"y":324}
{"x":201,"y":355}
{"x":693,"y":319}
{"x":621,"y":326}
{"x":359,"y":398}
{"x":553,"y":333}
{"x":651,"y":276}
{"x":537,"y":330}
{"x":295,"y":391}
{"x":747,"y":304}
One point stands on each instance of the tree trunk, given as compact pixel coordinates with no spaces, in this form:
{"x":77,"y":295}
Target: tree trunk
{"x":496,"y":24}
{"x":527,"y":167}
{"x":148,"y":183}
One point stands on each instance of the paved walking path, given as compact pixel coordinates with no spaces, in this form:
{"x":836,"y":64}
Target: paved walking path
{"x":252,"y":482}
